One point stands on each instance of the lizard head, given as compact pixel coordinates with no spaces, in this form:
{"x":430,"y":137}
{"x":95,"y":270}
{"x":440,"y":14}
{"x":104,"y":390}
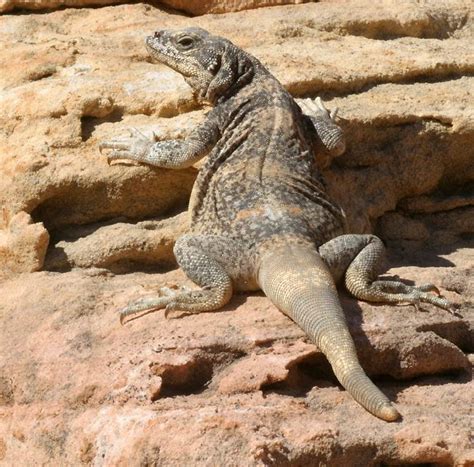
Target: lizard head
{"x":211,"y":65}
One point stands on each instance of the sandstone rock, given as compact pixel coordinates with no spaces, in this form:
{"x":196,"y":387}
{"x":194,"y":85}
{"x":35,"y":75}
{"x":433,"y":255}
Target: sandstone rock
{"x":241,"y":386}
{"x":263,"y":369}
{"x":203,"y":7}
{"x":52,"y":169}
{"x":8,"y":5}
{"x":193,"y":7}
{"x":70,"y":373}
{"x":118,"y":245}
{"x":22,"y":246}
{"x":442,"y":228}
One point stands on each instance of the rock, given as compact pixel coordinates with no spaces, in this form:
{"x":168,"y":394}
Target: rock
{"x":203,"y":7}
{"x":118,"y":245}
{"x":241,"y":380}
{"x":194,"y":7}
{"x":53,"y":171}
{"x":23,"y":245}
{"x":9,"y":5}
{"x":241,"y":386}
{"x":421,"y":442}
{"x":436,"y":203}
{"x":263,"y":369}
{"x":441,"y":228}
{"x":6,"y":392}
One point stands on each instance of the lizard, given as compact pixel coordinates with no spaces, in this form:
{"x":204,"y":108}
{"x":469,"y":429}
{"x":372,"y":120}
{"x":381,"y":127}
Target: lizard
{"x":260,"y":215}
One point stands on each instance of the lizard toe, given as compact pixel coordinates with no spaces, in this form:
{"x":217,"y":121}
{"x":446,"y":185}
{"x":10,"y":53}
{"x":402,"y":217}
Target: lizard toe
{"x":146,"y":304}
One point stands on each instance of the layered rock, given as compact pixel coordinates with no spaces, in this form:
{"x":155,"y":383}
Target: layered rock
{"x":406,"y":110}
{"x":199,"y":7}
{"x":81,"y":238}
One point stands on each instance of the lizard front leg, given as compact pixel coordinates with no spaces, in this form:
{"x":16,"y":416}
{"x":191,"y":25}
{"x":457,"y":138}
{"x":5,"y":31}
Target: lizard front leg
{"x":171,"y":154}
{"x":328,"y":132}
{"x":359,"y":258}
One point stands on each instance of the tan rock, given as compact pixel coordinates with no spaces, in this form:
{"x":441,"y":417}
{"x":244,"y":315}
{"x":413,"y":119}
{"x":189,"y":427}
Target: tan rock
{"x":119,"y":245}
{"x":241,"y":386}
{"x":441,"y":228}
{"x":23,"y":245}
{"x":193,"y":7}
{"x":263,"y":369}
{"x":203,"y":7}
{"x":416,"y":444}
{"x":75,"y":383}
{"x":8,"y":5}
{"x":52,"y":168}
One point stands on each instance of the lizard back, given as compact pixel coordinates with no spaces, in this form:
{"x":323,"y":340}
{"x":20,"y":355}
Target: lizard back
{"x":260,"y":179}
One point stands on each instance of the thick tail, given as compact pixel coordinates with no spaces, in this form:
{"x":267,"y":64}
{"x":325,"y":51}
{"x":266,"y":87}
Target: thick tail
{"x":299,"y":283}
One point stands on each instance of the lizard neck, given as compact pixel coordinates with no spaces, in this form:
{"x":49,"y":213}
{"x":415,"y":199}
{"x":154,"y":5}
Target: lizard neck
{"x":238,"y":70}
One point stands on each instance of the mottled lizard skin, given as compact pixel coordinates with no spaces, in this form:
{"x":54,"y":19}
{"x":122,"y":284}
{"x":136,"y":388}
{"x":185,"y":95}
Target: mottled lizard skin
{"x":260,"y":215}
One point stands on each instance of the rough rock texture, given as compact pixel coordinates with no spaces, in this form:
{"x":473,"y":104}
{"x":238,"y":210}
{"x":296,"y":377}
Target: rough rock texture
{"x":23,"y":245}
{"x":237,"y":387}
{"x":118,"y":246}
{"x":194,"y":7}
{"x":202,"y":7}
{"x":242,"y":386}
{"x":399,"y":73}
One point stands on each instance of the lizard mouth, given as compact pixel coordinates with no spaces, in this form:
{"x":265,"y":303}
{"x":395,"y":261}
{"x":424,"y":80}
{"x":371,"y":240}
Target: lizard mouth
{"x":162,"y":51}
{"x":158,"y":50}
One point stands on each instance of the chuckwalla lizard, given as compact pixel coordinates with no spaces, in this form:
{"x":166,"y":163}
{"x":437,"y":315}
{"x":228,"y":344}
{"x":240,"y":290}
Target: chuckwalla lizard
{"x":260,"y":215}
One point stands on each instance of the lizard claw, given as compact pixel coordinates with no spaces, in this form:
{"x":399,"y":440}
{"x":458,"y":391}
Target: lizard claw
{"x":134,"y":147}
{"x":166,"y":299}
{"x":320,"y":104}
{"x":135,"y":133}
{"x":324,"y":110}
{"x":147,"y":304}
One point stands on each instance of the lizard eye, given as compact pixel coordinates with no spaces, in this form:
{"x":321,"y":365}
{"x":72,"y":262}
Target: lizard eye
{"x":186,"y":42}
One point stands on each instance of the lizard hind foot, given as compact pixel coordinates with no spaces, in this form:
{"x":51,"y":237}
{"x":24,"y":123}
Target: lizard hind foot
{"x":189,"y":301}
{"x":147,"y":304}
{"x":166,"y":300}
{"x":400,"y":293}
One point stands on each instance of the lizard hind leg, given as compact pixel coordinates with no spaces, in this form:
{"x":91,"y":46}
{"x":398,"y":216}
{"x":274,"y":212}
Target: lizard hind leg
{"x":198,"y":256}
{"x":359,"y":259}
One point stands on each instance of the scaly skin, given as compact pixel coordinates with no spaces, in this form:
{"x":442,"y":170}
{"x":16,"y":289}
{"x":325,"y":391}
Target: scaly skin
{"x":299,"y":282}
{"x":260,"y":216}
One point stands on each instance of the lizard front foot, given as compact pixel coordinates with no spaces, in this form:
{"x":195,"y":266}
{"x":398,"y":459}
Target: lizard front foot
{"x":317,"y":109}
{"x":134,"y":147}
{"x":324,"y":122}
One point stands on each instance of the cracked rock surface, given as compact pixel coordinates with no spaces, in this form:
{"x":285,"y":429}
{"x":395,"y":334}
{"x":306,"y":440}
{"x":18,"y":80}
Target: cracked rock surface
{"x":79,"y":239}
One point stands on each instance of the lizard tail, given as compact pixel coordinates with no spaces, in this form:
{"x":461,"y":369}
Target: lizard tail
{"x":298,"y":282}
